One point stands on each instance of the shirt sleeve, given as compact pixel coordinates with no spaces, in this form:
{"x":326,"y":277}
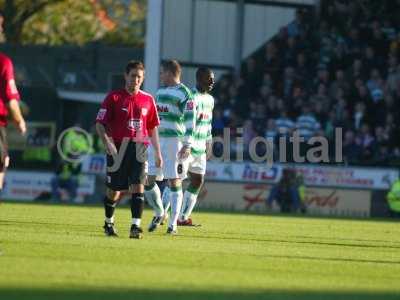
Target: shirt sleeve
{"x":152,"y":119}
{"x":209,"y":132}
{"x":10,"y":92}
{"x":105,"y":113}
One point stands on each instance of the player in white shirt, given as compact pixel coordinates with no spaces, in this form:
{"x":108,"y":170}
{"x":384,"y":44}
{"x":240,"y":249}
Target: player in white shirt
{"x":202,"y":142}
{"x":177,"y":119}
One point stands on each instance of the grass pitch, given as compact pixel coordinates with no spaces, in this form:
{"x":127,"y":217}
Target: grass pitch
{"x":60,"y":252}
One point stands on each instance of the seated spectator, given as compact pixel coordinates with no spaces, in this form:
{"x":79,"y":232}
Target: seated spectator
{"x":322,"y":76}
{"x":370,"y":61}
{"x":267,"y":81}
{"x":297,"y":26}
{"x":352,"y":149}
{"x":393,"y":198}
{"x":284,"y":125}
{"x":340,"y":83}
{"x":319,"y":112}
{"x":367,"y":142}
{"x":393,"y":78}
{"x":271,"y":109}
{"x":251,"y":75}
{"x":288,"y":81}
{"x":356,"y":71}
{"x":390,"y":127}
{"x":248,"y":133}
{"x":218,"y":123}
{"x":270,"y":131}
{"x":67,"y":178}
{"x":330,"y":125}
{"x":381,"y":136}
{"x":375,"y":81}
{"x":291,"y":51}
{"x":359,"y":115}
{"x":302,"y":68}
{"x":379,"y":42}
{"x":306,"y":124}
{"x":285,"y":193}
{"x":354,"y":43}
{"x":382,"y":155}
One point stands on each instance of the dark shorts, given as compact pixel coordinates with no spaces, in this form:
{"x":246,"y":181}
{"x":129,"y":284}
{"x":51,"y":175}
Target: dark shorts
{"x":132,"y":170}
{"x":3,"y":148}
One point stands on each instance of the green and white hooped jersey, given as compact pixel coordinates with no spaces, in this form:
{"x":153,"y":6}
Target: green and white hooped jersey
{"x":176,"y":111}
{"x":204,"y":105}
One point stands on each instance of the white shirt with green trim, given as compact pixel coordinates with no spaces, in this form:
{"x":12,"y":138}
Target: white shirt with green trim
{"x":204,"y":105}
{"x":176,"y":110}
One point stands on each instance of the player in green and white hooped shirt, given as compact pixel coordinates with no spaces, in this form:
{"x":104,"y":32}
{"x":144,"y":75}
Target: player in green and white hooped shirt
{"x":177,"y":119}
{"x":202,"y":142}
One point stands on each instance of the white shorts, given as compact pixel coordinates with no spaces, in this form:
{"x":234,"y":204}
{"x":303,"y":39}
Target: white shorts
{"x":172,"y":167}
{"x":197,"y":164}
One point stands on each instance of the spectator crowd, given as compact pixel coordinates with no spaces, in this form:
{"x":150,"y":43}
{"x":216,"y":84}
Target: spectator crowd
{"x":338,"y":67}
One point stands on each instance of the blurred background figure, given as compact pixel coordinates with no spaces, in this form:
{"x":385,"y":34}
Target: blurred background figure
{"x":393,"y":198}
{"x":66,"y":178}
{"x":286,"y":193}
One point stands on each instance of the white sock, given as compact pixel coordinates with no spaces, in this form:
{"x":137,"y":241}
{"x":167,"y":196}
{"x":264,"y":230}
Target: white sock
{"x":110,"y":220}
{"x":136,"y":221}
{"x":166,"y":199}
{"x":153,"y":198}
{"x":176,"y":205}
{"x":189,"y":200}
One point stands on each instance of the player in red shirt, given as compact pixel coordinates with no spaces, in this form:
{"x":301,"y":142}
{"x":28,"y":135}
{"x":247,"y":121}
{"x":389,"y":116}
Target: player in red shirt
{"x":9,"y":105}
{"x":126,"y":121}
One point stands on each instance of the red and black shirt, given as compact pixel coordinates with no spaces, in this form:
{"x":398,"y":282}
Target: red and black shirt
{"x":130,"y":116}
{"x":8,"y":88}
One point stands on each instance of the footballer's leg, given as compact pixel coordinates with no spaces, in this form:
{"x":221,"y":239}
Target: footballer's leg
{"x":153,"y":197}
{"x":166,"y":203}
{"x":4,"y":158}
{"x":152,"y":191}
{"x":197,"y":170}
{"x":3,"y":165}
{"x":190,"y":199}
{"x":116,"y":182}
{"x":137,"y":206}
{"x":176,"y":197}
{"x":110,"y":202}
{"x":137,"y":176}
{"x":174,"y":172}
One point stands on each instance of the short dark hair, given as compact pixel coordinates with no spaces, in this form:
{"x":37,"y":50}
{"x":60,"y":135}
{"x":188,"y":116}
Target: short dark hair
{"x":134,"y":64}
{"x":202,"y":71}
{"x":172,"y":66}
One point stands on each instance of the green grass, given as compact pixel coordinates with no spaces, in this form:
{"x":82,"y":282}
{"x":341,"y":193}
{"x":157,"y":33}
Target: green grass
{"x":60,"y":252}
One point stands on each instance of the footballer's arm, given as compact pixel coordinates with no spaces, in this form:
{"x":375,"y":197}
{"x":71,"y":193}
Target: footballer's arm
{"x":108,"y":143}
{"x":16,"y":115}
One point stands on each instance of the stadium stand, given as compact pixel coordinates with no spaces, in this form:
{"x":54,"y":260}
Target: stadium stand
{"x":343,"y":64}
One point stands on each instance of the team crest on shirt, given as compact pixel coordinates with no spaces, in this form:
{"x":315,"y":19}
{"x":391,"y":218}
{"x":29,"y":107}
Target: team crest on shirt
{"x":101,"y":114}
{"x":189,"y":105}
{"x":134,"y":124}
{"x":144,"y":111}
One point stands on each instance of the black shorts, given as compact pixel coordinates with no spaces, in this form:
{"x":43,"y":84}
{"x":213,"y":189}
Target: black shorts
{"x":3,"y":148}
{"x":132,"y":170}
